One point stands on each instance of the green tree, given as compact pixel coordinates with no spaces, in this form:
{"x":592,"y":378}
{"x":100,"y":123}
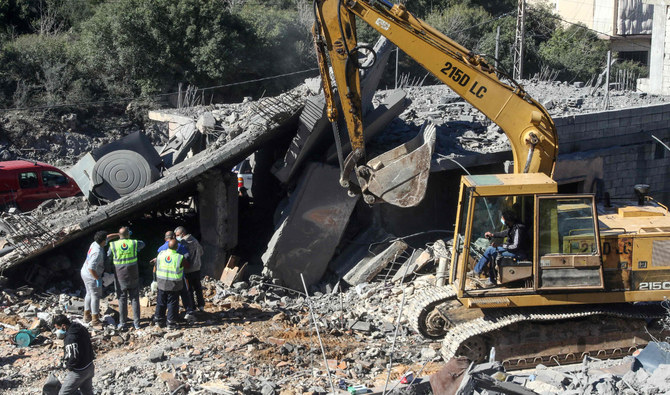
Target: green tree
{"x":540,"y":25}
{"x":576,"y":52}
{"x":37,"y":69}
{"x":462,"y":23}
{"x":150,"y":45}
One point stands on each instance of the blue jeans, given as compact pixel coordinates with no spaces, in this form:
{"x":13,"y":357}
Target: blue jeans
{"x":489,"y":256}
{"x":167,"y":300}
{"x":123,"y":296}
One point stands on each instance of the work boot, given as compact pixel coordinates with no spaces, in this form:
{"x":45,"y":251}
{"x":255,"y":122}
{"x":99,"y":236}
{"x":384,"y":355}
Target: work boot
{"x":95,"y":320}
{"x":87,"y":316}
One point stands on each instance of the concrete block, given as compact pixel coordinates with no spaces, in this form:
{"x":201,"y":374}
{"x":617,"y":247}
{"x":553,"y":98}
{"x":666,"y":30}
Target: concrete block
{"x":611,"y":123}
{"x":367,"y":270}
{"x":81,"y":173}
{"x":624,"y":121}
{"x":418,"y":259}
{"x":318,"y":212}
{"x":654,"y":355}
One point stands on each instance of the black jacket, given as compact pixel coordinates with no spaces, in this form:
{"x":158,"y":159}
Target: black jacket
{"x":517,"y":239}
{"x":77,"y":347}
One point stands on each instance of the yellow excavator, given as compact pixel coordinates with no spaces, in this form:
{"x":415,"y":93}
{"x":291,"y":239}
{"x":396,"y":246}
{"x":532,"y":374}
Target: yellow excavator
{"x":591,"y":283}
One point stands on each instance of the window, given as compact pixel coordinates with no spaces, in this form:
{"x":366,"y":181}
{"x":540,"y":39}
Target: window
{"x":28,"y":180}
{"x":53,"y":178}
{"x":566,"y":226}
{"x":488,"y":210}
{"x":637,"y":56}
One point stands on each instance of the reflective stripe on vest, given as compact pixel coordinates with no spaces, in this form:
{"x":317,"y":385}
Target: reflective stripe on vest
{"x":168,"y":265}
{"x":124,"y":252}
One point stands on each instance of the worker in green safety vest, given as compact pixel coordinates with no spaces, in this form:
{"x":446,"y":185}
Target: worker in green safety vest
{"x":127,"y":278}
{"x":170,"y":277}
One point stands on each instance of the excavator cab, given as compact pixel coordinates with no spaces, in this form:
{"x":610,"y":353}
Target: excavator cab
{"x":563,"y":242}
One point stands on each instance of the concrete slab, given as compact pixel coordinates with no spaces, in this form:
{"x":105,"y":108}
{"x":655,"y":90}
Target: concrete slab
{"x":312,"y":136}
{"x":81,"y":173}
{"x":365,"y":271}
{"x":315,"y":219}
{"x":418,"y":259}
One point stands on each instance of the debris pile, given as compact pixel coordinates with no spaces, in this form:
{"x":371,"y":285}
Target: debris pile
{"x":646,"y":373}
{"x":255,"y":337}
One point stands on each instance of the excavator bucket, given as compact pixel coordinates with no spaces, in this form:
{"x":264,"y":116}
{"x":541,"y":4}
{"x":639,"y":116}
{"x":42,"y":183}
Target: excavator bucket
{"x":400,"y":176}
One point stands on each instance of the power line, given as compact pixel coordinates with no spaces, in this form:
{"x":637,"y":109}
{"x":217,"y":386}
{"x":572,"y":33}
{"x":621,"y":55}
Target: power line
{"x":98,"y":102}
{"x":485,"y":22}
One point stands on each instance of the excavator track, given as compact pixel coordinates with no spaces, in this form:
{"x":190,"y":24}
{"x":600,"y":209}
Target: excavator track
{"x":526,"y":337}
{"x":422,"y":314}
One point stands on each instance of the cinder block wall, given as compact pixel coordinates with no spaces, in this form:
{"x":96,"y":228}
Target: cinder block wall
{"x":620,"y":142}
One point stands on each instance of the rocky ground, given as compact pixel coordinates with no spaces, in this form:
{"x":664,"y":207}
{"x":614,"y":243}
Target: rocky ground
{"x":253,"y":338}
{"x":258,"y":338}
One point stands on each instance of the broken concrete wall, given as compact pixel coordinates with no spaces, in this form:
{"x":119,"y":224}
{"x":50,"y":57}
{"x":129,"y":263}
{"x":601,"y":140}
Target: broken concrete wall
{"x":310,"y":229}
{"x":622,"y":139}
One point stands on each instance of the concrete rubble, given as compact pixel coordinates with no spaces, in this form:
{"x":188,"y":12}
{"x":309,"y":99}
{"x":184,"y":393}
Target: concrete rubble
{"x":253,"y":338}
{"x":258,"y":338}
{"x":592,"y":376}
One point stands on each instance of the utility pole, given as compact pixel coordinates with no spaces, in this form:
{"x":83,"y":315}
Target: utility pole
{"x":396,"y":66}
{"x":519,"y":39}
{"x":497,"y":47}
{"x":607,"y":81}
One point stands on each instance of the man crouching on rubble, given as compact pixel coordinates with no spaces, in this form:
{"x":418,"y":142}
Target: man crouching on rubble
{"x":77,"y":356}
{"x":170,"y":277}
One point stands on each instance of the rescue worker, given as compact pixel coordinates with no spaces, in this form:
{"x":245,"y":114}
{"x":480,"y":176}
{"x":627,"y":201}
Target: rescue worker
{"x":77,"y":356}
{"x":192,"y":273}
{"x":91,"y":275}
{"x":170,"y":277}
{"x":127,"y":278}
{"x":186,"y":299}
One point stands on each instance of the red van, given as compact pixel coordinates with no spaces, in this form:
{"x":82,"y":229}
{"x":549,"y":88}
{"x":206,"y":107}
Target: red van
{"x":26,"y":184}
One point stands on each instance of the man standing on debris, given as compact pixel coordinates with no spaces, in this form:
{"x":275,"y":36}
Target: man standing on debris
{"x":78,"y":357}
{"x":186,"y":298}
{"x":91,"y":274}
{"x":170,"y":276}
{"x":192,"y":273}
{"x":127,"y":279}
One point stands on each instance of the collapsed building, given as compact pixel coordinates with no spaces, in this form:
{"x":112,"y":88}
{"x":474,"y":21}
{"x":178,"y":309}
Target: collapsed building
{"x":304,"y":222}
{"x":301,"y":223}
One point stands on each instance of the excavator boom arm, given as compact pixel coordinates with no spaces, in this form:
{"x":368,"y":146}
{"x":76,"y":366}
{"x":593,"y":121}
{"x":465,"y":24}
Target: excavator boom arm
{"x":526,"y":123}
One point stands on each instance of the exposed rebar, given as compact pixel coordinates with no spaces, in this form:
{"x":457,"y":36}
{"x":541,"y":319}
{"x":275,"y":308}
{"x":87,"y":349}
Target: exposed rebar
{"x":323,"y":351}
